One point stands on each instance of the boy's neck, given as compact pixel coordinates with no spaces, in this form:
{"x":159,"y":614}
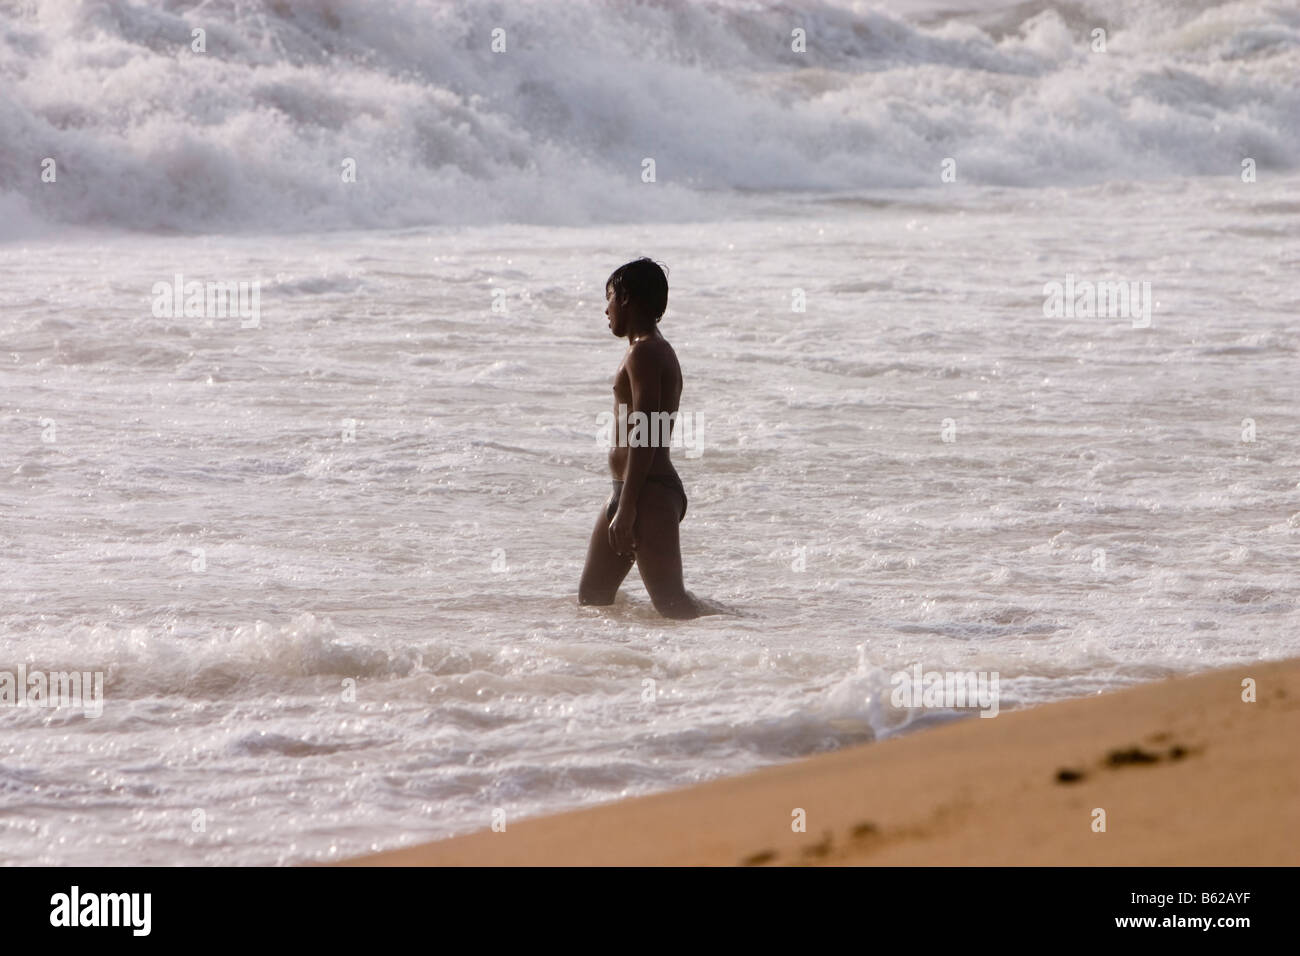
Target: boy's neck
{"x":640,"y":335}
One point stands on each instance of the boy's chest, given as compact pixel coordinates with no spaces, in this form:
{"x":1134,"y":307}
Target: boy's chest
{"x":622,"y":384}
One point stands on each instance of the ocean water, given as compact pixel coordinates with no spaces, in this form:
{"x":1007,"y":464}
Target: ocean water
{"x":328,"y":563}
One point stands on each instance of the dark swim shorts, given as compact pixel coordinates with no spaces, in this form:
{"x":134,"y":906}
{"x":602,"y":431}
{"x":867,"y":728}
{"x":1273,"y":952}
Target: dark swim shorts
{"x":667,"y":480}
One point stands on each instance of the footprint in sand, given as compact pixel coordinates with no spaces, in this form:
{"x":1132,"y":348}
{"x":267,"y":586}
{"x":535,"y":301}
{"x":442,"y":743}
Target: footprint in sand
{"x":1128,"y":757}
{"x":1131,"y":756}
{"x":819,"y":849}
{"x":860,"y":831}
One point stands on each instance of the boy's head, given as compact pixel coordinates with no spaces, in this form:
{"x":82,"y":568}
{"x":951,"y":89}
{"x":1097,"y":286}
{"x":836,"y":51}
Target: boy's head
{"x":636,"y":295}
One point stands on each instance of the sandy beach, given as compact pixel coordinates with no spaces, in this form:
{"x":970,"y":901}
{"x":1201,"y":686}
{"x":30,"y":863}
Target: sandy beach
{"x":1186,"y":771}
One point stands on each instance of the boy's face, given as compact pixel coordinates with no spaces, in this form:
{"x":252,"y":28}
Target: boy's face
{"x":618,"y":312}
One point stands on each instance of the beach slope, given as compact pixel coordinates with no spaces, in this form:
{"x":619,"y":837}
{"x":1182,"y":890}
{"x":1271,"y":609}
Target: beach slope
{"x":1185,"y":771}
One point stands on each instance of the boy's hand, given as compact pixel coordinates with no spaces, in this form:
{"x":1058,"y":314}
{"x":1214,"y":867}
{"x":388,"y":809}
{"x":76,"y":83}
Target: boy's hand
{"x":622,"y":531}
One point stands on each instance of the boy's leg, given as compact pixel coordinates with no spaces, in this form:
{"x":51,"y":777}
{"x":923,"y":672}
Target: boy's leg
{"x":604,"y":570}
{"x":658,"y":552}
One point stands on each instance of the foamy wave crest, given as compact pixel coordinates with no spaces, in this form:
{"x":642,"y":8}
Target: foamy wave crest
{"x":252,"y":134}
{"x":142,"y":662}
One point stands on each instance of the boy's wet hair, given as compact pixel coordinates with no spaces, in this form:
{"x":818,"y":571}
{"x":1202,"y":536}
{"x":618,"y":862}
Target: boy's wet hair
{"x":643,"y":281}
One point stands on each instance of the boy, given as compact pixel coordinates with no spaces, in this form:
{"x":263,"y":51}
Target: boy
{"x":639,"y":521}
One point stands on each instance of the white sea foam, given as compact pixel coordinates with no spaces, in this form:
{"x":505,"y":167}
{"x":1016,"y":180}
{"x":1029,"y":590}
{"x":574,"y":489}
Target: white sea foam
{"x":251,"y":135}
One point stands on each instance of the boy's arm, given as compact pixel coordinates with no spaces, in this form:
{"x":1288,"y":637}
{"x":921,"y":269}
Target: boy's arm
{"x":645,"y":373}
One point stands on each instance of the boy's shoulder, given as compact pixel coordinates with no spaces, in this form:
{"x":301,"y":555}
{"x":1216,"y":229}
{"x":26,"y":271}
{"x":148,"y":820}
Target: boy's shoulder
{"x":655,"y":346}
{"x":650,"y":355}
